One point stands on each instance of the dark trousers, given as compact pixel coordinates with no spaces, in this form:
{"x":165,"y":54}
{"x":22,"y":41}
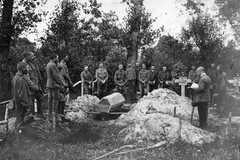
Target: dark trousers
{"x":143,"y":89}
{"x":53,"y":98}
{"x":87,"y":89}
{"x":101,"y":88}
{"x":120,"y":89}
{"x":60,"y":108}
{"x":130,"y":91}
{"x":203,"y":114}
{"x":20,"y":112}
{"x":151,"y":87}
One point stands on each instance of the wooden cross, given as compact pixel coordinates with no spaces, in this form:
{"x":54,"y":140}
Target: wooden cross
{"x":183,"y":81}
{"x":236,"y":82}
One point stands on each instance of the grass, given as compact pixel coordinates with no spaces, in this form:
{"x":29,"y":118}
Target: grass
{"x":92,"y":139}
{"x":95,"y":138}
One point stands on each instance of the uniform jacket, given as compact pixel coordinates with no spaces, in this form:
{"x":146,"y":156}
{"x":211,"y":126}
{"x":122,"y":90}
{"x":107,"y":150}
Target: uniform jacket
{"x":143,"y":75}
{"x":101,"y":74}
{"x":152,"y":76}
{"x":65,"y":72}
{"x":53,"y":76}
{"x":120,"y":76}
{"x":163,"y":76}
{"x":130,"y":74}
{"x":86,"y":76}
{"x":212,"y":73}
{"x":20,"y":90}
{"x":203,"y":92}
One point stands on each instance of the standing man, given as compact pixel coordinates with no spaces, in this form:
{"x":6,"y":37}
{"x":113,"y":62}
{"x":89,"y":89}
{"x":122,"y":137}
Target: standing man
{"x":131,"y":82}
{"x":65,"y":72}
{"x":212,"y":73}
{"x":152,"y":80}
{"x":220,"y":89}
{"x":102,"y":77}
{"x":54,"y":84}
{"x":86,"y":78}
{"x":20,"y":94}
{"x":35,"y":77}
{"x":137,"y":69}
{"x":202,"y":97}
{"x":192,"y":75}
{"x":163,"y":77}
{"x":143,"y":79}
{"x":120,"y":79}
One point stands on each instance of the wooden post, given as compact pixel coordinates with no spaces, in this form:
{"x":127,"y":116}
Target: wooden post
{"x":35,"y":105}
{"x":183,"y":90}
{"x":54,"y":121}
{"x":180,"y":126}
{"x":174,"y":112}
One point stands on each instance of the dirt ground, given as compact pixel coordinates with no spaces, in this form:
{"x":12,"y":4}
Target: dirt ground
{"x":95,"y":138}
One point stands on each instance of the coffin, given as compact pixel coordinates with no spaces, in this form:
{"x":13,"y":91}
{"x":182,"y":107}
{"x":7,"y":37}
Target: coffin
{"x":110,"y":103}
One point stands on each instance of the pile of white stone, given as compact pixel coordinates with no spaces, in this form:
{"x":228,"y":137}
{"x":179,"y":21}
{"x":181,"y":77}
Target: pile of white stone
{"x":78,"y":107}
{"x":152,"y":118}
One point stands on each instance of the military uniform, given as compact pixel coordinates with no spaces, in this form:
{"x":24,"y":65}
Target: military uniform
{"x":212,"y":73}
{"x":152,"y":81}
{"x":203,"y":98}
{"x":120,"y":80}
{"x":162,"y":78}
{"x":86,"y":78}
{"x":143,"y":76}
{"x":35,"y":77}
{"x":20,"y":94}
{"x":101,"y":74}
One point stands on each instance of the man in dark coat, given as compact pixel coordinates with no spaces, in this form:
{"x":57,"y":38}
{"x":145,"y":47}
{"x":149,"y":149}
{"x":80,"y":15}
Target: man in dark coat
{"x":86,"y":78}
{"x":120,"y":79}
{"x":54,"y":84}
{"x":35,"y":77}
{"x":202,"y":96}
{"x":65,"y":72}
{"x":212,"y":73}
{"x":21,"y":94}
{"x":163,"y":77}
{"x":152,"y":79}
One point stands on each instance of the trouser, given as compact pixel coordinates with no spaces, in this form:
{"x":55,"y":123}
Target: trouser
{"x":101,"y":88}
{"x":53,"y":98}
{"x":20,"y":112}
{"x":203,"y":114}
{"x":120,"y":89}
{"x":60,"y":108}
{"x":151,"y":87}
{"x":212,"y":91}
{"x":87,"y":88}
{"x":143,"y":89}
{"x":163,"y":85}
{"x":130,"y":91}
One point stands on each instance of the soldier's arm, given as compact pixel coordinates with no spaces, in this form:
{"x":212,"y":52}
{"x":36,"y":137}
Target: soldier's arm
{"x":115,"y":78}
{"x":139,"y":77}
{"x":96,"y":75}
{"x":107,"y":75}
{"x":30,"y":84}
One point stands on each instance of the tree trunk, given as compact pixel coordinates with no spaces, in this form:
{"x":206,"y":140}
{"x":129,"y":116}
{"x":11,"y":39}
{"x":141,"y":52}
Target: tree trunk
{"x":5,"y":41}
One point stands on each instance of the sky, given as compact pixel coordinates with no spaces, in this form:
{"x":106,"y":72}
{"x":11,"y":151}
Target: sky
{"x":169,"y":13}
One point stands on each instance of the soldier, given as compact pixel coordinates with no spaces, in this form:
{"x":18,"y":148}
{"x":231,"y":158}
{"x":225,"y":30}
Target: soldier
{"x":65,"y":72}
{"x":192,"y":75}
{"x":102,"y":77}
{"x":131,"y":81}
{"x":202,"y":97}
{"x":137,"y":69}
{"x":212,"y":73}
{"x":35,"y":77}
{"x":152,"y":80}
{"x":163,"y":77}
{"x":21,"y":94}
{"x":120,"y":79}
{"x":143,"y":79}
{"x":220,"y":84}
{"x":86,"y":78}
{"x":54,"y":84}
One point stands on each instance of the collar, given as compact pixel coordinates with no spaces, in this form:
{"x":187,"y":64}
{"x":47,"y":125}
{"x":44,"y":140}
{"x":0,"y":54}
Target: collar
{"x":202,"y":74}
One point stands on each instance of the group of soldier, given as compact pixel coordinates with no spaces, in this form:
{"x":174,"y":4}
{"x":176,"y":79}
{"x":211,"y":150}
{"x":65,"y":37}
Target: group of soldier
{"x":27,"y":85}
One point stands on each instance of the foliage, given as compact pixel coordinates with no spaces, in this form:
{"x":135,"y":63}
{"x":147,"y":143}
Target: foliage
{"x":137,"y":31}
{"x":229,"y":11}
